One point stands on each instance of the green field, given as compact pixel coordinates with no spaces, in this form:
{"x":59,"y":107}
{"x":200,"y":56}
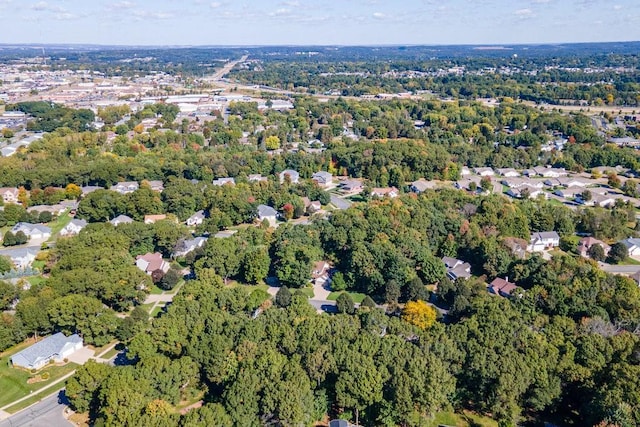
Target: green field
{"x":466,"y":419}
{"x":13,"y":382}
{"x":355,"y":296}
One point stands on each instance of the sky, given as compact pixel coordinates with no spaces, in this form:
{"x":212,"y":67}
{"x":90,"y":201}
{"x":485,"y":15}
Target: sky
{"x":317,"y":22}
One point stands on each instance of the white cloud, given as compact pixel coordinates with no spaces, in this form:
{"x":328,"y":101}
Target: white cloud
{"x":541,"y":1}
{"x":523,"y":12}
{"x":617,"y":7}
{"x":379,"y":15}
{"x":291,"y":3}
{"x":65,"y":16}
{"x":281,"y":12}
{"x":147,"y":14}
{"x":215,"y":5}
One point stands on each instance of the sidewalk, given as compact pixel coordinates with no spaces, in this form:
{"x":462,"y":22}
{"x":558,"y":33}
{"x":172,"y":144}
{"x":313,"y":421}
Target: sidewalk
{"x":4,"y":414}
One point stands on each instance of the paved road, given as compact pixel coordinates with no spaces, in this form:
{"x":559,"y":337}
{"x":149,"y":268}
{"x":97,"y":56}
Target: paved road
{"x":47,"y":413}
{"x":625,"y":270}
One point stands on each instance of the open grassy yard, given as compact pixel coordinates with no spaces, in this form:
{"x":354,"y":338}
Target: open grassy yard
{"x":59,"y":224}
{"x":466,"y":419}
{"x":13,"y":381}
{"x":355,"y":296}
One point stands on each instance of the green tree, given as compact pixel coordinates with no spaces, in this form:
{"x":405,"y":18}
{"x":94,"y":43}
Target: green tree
{"x":345,"y":304}
{"x":255,"y":265}
{"x":283,"y":297}
{"x":596,"y":252}
{"x":617,"y":253}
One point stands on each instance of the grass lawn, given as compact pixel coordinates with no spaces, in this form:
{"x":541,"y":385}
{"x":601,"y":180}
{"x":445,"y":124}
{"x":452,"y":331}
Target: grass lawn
{"x":155,"y":290}
{"x":156,"y":310}
{"x":355,"y":296}
{"x":147,"y":307}
{"x":466,"y":419}
{"x":59,"y":224}
{"x":13,"y":382}
{"x":38,"y":264}
{"x":249,"y":288}
{"x":307,"y":291}
{"x":36,"y":280}
{"x":109,"y":354}
{"x":630,"y":261}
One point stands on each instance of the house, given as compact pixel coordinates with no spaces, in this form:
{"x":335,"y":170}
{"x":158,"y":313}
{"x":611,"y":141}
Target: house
{"x":502,"y":287}
{"x":22,"y":258}
{"x":351,"y":185}
{"x":151,"y":219}
{"x":465,"y":183}
{"x":149,"y":263}
{"x":323,"y":178}
{"x":223,"y":181}
{"x":156,"y":186}
{"x":32,"y":231}
{"x":456,"y":269}
{"x":390,"y":192}
{"x":567,"y":181}
{"x":9,"y":194}
{"x":633,"y":246}
{"x":601,"y":200}
{"x":508,"y":172}
{"x":121,"y":219}
{"x":547,"y":172}
{"x":89,"y":189}
{"x":125,"y":187}
{"x":268,"y":213}
{"x":314,"y":207}
{"x":587,"y":242}
{"x":526,"y":192}
{"x":55,"y":348}
{"x":196,"y":219}
{"x":294,"y":177}
{"x":422,"y":185}
{"x":543,"y":240}
{"x":569,"y":193}
{"x":74,"y":227}
{"x":464,"y":171}
{"x":484,"y":171}
{"x":183,"y":247}
{"x":257,"y":178}
{"x":320,"y":272}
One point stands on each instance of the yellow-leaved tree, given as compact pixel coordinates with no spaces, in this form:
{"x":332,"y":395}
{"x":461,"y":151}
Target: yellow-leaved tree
{"x":419,"y":314}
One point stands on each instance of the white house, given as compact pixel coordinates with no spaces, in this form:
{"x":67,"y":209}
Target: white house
{"x":121,"y":219}
{"x":74,"y":227}
{"x":268,"y":213}
{"x":125,"y":187}
{"x":56,"y":347}
{"x":633,"y":246}
{"x":543,"y":240}
{"x":323,"y":179}
{"x":32,"y":231}
{"x":294,"y":177}
{"x":508,"y":172}
{"x":422,"y":185}
{"x":390,"y":192}
{"x":257,"y":178}
{"x":484,"y":171}
{"x":22,"y":258}
{"x":196,"y":219}
{"x":9,"y":194}
{"x":223,"y":181}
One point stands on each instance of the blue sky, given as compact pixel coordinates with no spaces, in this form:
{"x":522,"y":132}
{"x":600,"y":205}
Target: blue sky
{"x":346,"y":22}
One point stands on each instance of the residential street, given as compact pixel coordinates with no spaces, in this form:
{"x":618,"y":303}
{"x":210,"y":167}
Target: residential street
{"x":47,"y":413}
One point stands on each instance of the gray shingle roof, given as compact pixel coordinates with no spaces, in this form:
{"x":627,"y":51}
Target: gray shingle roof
{"x":44,"y":349}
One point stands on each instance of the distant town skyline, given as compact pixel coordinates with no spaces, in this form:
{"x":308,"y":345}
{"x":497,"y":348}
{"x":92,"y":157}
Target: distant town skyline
{"x":319,"y":22}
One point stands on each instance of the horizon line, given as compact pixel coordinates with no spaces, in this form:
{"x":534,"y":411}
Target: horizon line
{"x":239,"y":46}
